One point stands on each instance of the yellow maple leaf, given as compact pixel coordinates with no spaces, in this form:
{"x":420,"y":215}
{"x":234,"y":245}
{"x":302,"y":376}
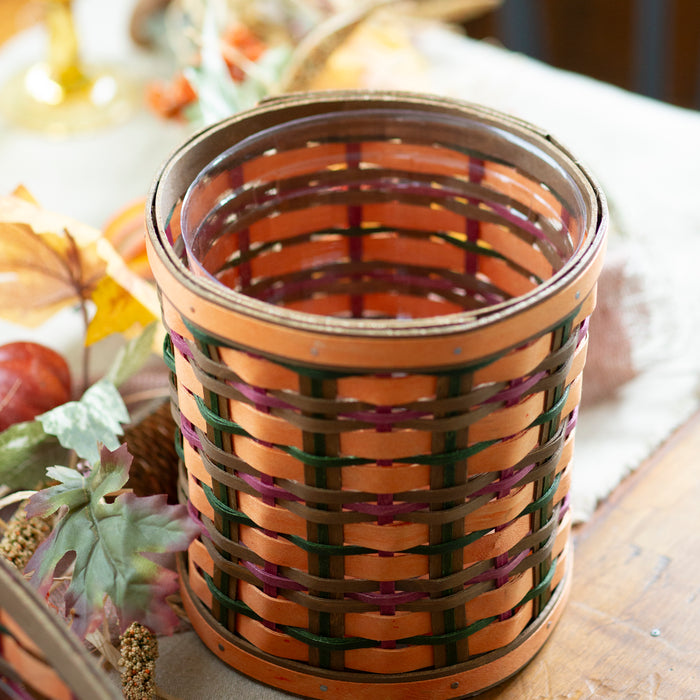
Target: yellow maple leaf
{"x":67,"y":262}
{"x":41,"y":273}
{"x":117,"y":311}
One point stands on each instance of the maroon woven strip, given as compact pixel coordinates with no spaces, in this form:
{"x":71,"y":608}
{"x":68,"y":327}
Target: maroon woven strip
{"x":503,"y":486}
{"x":499,"y":571}
{"x":353,"y":152}
{"x":473,"y":226}
{"x":517,"y":390}
{"x":268,"y":489}
{"x":181,"y":344}
{"x":260,"y":397}
{"x":571,"y":424}
{"x":271,"y":579}
{"x":189,"y":433}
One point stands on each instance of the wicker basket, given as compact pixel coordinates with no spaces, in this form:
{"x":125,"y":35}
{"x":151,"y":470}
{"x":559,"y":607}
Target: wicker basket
{"x":377,"y":308}
{"x":39,"y":656}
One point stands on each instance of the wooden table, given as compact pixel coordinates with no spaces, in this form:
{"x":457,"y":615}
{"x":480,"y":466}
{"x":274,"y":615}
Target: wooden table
{"x":632,"y":626}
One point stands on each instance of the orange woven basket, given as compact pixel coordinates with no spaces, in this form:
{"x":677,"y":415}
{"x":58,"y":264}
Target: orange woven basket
{"x":377,"y":307}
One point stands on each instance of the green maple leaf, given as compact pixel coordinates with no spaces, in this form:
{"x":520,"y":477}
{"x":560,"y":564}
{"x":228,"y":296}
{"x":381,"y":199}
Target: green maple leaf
{"x":25,"y":450}
{"x":86,"y":424}
{"x":118,"y":545}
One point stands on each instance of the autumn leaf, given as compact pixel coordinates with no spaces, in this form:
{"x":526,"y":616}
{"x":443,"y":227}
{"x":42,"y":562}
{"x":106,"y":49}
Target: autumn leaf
{"x":48,"y":260}
{"x":25,"y":451}
{"x":117,"y":311}
{"x":117,"y":545}
{"x":41,"y":273}
{"x":83,"y":425}
{"x":132,"y":356}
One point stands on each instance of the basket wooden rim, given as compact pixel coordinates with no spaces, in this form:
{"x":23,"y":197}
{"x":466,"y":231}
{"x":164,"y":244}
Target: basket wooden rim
{"x":318,"y":340}
{"x":457,"y":682}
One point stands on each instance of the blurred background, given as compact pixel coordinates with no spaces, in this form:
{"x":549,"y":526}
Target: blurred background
{"x":647,"y":46}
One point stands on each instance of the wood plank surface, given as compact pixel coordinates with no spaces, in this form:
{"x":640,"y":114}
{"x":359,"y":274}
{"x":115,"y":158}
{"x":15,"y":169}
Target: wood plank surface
{"x":631,"y":630}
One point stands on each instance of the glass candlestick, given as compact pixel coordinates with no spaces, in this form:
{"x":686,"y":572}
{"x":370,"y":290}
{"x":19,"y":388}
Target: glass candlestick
{"x":63,"y":95}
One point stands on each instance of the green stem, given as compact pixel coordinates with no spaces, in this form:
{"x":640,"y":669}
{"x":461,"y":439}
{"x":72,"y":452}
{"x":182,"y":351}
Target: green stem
{"x":86,"y":348}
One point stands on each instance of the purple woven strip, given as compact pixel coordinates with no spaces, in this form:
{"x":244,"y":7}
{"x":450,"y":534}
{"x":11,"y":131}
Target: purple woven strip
{"x":390,"y":600}
{"x":353,"y":155}
{"x":189,"y":433}
{"x":195,"y":514}
{"x":505,"y":483}
{"x":385,"y":499}
{"x":565,"y":505}
{"x":271,"y":570}
{"x":500,"y":571}
{"x":387,"y":588}
{"x":516,"y":391}
{"x":180,"y":344}
{"x":583,"y":329}
{"x":260,"y":397}
{"x":270,"y":491}
{"x":475,"y":172}
{"x":385,"y":511}
{"x":572,"y":422}
{"x":273,"y":579}
{"x":519,"y":221}
{"x":267,"y":480}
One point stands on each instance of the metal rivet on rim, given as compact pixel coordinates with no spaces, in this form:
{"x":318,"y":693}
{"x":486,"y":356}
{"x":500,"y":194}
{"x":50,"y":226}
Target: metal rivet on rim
{"x":324,"y":688}
{"x":454,"y":685}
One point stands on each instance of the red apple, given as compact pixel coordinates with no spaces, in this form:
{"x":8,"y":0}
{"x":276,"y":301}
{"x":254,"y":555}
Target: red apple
{"x":33,"y":379}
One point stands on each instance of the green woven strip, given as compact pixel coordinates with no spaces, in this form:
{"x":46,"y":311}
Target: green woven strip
{"x":326,"y":462}
{"x":229,"y":513}
{"x":347,"y":643}
{"x":544,"y":514}
{"x":228,"y":602}
{"x":320,"y":565}
{"x":216,"y":435}
{"x":550,"y":414}
{"x":329,"y":644}
{"x":337,"y":550}
{"x":449,"y":619}
{"x":453,"y":637}
{"x":544,"y":499}
{"x":205,"y":337}
{"x":169,"y":353}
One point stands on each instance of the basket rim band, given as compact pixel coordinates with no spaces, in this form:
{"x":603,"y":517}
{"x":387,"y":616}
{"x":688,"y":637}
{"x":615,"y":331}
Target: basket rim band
{"x":310,"y":339}
{"x":442,"y":684}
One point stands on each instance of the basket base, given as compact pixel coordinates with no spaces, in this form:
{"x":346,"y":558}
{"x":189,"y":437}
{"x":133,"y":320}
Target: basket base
{"x":461,"y":681}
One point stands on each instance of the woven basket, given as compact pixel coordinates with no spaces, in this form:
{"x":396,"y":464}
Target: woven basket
{"x":377,"y":308}
{"x":39,"y":655}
